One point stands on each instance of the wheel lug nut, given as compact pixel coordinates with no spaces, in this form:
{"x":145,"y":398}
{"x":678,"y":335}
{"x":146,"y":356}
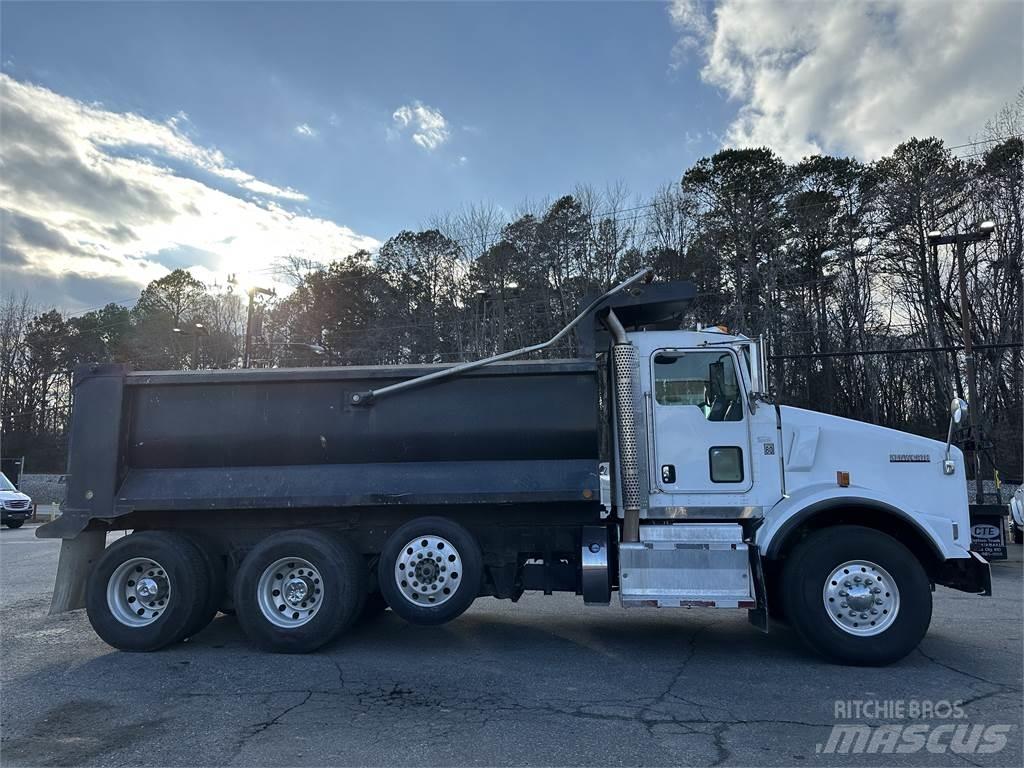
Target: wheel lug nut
{"x":874,"y":611}
{"x":863,"y":615}
{"x":843,"y":593}
{"x":847,"y":584}
{"x":869,"y":582}
{"x":878,"y":602}
{"x":843,"y":605}
{"x":857,"y":579}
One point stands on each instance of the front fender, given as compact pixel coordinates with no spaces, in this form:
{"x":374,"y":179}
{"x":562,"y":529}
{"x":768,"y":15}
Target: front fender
{"x":791,"y":511}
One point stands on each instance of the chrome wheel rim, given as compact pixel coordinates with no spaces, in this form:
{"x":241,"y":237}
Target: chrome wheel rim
{"x":861,"y":598}
{"x":428,"y":571}
{"x":138,"y":592}
{"x":290,"y":592}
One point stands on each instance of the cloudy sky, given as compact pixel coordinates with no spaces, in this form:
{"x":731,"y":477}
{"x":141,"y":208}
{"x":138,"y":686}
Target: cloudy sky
{"x":136,"y":138}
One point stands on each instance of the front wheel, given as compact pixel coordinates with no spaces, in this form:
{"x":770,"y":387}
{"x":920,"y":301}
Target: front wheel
{"x":14,"y":523}
{"x":430,"y":571}
{"x":856,"y":595}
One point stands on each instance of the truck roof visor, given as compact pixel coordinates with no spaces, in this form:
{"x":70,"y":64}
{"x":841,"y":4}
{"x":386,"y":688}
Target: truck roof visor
{"x":653,"y":306}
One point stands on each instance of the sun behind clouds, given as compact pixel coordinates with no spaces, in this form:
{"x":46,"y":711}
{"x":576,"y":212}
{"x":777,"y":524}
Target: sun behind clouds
{"x":118,"y":197}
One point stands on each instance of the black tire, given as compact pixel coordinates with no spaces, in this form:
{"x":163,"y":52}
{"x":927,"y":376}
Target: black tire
{"x":185,"y":572}
{"x":1016,"y":533}
{"x":773,"y":587}
{"x":14,"y":523}
{"x":341,"y":576}
{"x":216,"y":579}
{"x":468,"y":580}
{"x":804,"y":578}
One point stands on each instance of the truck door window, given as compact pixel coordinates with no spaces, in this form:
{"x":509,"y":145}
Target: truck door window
{"x":703,"y":380}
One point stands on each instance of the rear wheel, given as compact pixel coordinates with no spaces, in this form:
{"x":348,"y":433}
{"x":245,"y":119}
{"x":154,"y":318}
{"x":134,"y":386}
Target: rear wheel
{"x":217,"y":587}
{"x":297,"y":590}
{"x":856,"y":595}
{"x":147,"y":591}
{"x":430,"y":570}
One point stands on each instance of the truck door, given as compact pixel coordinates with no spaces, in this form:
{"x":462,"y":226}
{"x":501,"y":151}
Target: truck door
{"x":701,"y":430}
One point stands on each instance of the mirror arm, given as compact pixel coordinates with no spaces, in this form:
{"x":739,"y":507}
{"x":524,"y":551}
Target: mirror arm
{"x":948,"y":467}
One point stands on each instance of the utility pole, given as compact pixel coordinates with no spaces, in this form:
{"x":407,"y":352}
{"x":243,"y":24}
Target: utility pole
{"x":975,"y":430}
{"x":253,"y":292}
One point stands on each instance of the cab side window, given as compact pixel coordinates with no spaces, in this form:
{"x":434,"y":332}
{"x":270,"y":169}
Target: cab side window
{"x":705,"y":380}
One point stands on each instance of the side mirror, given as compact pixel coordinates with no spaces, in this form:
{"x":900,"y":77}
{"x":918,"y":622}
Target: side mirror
{"x":958,"y":410}
{"x":957,"y":413}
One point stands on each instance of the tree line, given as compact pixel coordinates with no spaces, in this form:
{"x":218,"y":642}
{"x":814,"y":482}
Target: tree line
{"x":823,"y":257}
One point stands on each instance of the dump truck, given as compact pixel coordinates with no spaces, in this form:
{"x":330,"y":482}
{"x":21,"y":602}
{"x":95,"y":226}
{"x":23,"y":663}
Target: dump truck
{"x":653,"y":465}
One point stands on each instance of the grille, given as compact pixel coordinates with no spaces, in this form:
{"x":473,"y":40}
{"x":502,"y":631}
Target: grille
{"x":16,"y":504}
{"x":624,"y":356}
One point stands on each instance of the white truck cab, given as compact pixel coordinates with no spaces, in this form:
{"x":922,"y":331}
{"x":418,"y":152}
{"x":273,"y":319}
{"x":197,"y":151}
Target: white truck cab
{"x":727,"y":453}
{"x":845,"y":525}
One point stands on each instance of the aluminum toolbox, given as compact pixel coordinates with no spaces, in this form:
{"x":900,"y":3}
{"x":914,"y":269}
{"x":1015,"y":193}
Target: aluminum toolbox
{"x":698,"y":565}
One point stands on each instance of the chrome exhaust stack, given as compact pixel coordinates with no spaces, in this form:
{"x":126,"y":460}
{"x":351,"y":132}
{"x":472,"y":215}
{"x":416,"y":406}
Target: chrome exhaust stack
{"x":629,"y":425}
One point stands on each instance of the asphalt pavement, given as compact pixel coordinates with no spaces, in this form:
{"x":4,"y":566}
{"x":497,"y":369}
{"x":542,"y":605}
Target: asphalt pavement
{"x":547,"y":681}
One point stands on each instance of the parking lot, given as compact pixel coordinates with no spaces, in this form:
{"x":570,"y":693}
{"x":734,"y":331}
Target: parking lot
{"x":547,"y":681}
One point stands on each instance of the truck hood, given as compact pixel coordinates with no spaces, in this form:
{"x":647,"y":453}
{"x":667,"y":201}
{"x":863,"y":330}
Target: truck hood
{"x":810,"y":438}
{"x":903,"y":469}
{"x":13,"y":496}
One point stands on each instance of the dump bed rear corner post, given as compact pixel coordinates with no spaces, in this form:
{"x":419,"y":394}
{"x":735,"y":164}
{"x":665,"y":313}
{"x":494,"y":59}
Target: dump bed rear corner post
{"x":94,"y":456}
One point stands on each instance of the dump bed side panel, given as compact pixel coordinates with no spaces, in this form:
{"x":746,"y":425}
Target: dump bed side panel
{"x":518,"y":433}
{"x":539,"y":414}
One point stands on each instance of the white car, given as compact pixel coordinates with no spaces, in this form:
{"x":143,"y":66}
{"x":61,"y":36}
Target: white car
{"x":15,"y":506}
{"x":1017,"y":513}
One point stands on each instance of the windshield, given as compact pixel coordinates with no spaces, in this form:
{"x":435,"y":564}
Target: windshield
{"x":5,"y":484}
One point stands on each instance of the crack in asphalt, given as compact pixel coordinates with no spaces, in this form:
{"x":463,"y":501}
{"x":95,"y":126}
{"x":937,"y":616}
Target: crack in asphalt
{"x":481,"y":709}
{"x":258,"y":728}
{"x":965,"y":673}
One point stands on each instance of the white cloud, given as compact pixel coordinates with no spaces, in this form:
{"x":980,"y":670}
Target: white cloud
{"x":105,"y":196}
{"x":304,"y":129}
{"x":856,"y":77}
{"x":429,"y":127}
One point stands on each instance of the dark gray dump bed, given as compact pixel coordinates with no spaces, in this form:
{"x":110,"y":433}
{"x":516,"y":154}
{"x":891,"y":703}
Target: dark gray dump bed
{"x":525,"y":432}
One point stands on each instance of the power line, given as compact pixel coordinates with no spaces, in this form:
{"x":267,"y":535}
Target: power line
{"x":993,"y":140}
{"x":914,"y":350}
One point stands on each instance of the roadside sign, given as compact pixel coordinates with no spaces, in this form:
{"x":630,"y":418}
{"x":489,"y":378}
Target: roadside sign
{"x":988,"y":530}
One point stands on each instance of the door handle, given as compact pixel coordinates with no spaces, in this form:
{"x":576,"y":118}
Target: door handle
{"x":668,"y":473}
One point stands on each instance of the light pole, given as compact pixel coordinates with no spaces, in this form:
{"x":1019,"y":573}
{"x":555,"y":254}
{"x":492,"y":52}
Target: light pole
{"x":960,"y":241}
{"x":197,"y":330}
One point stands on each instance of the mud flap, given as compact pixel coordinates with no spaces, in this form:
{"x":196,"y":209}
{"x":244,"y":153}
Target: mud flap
{"x":77,"y":558}
{"x":758,"y":616}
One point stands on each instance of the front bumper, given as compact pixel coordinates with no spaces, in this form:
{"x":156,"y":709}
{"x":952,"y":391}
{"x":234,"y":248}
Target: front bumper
{"x":14,"y":514}
{"x":23,"y":516}
{"x":967,"y":574}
